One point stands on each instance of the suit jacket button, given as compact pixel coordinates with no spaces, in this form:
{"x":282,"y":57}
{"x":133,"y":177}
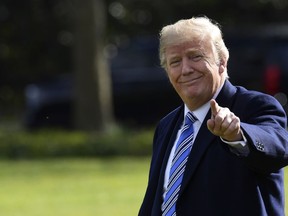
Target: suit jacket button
{"x":259,"y":145}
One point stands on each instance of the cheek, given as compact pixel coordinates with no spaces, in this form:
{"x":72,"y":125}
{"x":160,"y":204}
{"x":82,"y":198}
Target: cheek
{"x":173,"y":75}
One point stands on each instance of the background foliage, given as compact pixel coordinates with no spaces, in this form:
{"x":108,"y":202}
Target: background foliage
{"x":55,"y":144}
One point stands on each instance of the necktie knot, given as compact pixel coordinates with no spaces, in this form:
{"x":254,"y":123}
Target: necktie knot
{"x":190,"y":118}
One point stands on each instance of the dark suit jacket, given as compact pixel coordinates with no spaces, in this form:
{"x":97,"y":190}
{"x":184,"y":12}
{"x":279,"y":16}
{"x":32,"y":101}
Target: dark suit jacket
{"x":218,"y":182}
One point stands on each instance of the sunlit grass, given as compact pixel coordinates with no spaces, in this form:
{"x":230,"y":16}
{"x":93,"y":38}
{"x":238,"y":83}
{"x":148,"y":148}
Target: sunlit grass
{"x":72,"y":187}
{"x":75,"y":187}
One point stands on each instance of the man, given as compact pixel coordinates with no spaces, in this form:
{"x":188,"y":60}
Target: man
{"x":231,"y":163}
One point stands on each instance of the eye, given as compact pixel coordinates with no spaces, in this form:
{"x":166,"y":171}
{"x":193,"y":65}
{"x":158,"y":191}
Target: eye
{"x":196,"y":57}
{"x":174,"y":62}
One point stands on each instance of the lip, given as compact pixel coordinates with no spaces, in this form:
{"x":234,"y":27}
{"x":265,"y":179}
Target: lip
{"x":190,"y":81}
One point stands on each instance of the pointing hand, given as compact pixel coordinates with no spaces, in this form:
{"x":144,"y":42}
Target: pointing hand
{"x":224,"y":123}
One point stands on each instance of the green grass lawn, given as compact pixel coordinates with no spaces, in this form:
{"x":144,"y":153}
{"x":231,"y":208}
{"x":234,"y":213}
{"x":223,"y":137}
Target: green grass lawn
{"x":74,"y":187}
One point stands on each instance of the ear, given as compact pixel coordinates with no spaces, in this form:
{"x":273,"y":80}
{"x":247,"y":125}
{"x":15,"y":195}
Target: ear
{"x":222,"y":67}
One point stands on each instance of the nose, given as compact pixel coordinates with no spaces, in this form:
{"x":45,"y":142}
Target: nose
{"x":186,"y":66}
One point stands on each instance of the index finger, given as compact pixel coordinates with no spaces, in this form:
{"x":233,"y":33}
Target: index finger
{"x":214,"y":107}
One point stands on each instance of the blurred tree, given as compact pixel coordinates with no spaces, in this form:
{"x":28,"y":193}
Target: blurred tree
{"x":93,"y":99}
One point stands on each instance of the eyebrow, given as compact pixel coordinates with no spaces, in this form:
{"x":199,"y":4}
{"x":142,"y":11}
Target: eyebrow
{"x":189,"y":51}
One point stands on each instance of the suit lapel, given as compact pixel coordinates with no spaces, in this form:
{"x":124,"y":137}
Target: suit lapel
{"x":166,"y":149}
{"x":204,"y":137}
{"x":162,"y":157}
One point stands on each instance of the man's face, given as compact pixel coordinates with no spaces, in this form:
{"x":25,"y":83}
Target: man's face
{"x":194,"y":71}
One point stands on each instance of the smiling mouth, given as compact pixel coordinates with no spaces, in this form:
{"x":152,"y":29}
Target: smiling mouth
{"x":191,"y":80}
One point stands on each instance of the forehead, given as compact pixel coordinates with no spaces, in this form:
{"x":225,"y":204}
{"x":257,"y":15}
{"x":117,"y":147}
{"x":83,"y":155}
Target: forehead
{"x":204,"y":46}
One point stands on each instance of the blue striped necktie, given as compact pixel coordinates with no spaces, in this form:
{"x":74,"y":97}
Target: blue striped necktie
{"x":182,"y":151}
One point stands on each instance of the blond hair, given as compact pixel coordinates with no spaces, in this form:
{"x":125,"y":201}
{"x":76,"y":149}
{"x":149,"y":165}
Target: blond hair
{"x":196,"y":28}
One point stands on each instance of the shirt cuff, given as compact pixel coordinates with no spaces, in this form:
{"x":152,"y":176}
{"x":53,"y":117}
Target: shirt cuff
{"x":238,"y":147}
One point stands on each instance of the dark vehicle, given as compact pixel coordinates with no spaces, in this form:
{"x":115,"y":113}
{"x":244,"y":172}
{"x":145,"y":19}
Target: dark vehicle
{"x":141,"y":90}
{"x":259,"y":59}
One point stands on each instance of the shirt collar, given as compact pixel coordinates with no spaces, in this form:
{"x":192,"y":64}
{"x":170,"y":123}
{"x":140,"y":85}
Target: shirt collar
{"x":202,"y":111}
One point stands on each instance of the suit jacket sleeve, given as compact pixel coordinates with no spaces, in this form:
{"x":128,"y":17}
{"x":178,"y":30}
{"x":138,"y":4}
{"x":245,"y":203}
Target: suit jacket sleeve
{"x":264,"y":124}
